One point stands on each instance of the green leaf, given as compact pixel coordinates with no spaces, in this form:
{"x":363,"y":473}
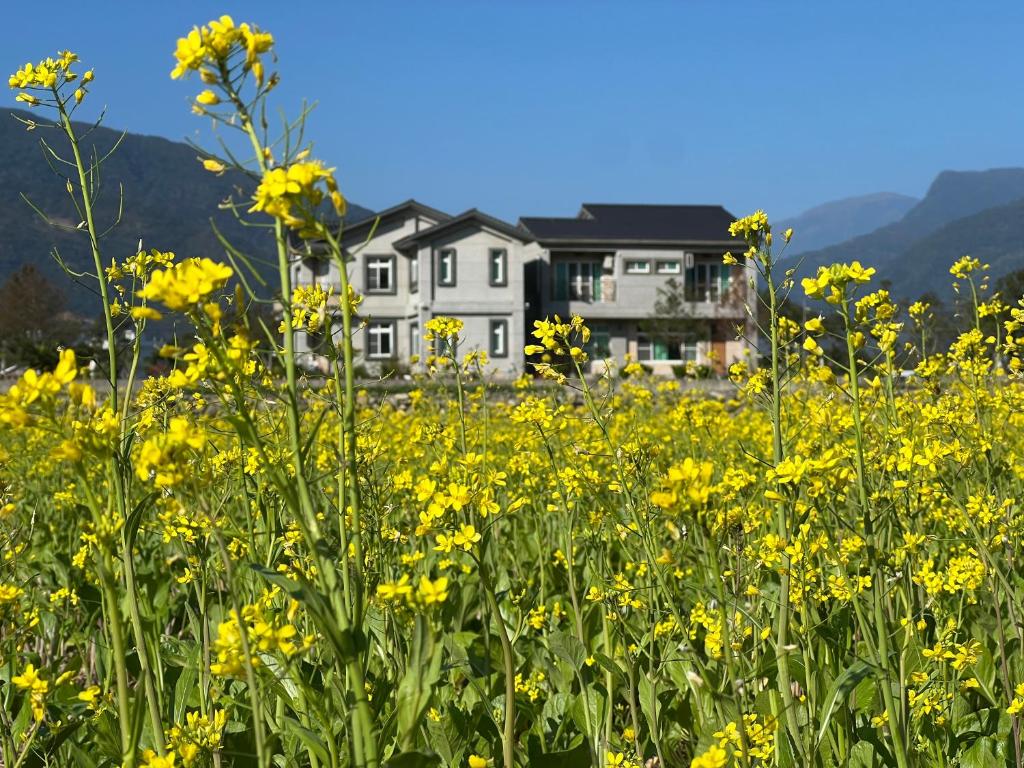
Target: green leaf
{"x":983,"y":753}
{"x":577,"y":757}
{"x":841,"y":687}
{"x":568,"y":648}
{"x":649,"y":704}
{"x":417,"y":685}
{"x":310,"y":740}
{"x":862,"y":755}
{"x":413,"y":760}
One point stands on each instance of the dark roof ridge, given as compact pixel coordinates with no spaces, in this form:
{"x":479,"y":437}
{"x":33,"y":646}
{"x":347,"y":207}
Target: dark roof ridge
{"x":636,"y":222}
{"x":411,"y":202}
{"x":470,"y":214}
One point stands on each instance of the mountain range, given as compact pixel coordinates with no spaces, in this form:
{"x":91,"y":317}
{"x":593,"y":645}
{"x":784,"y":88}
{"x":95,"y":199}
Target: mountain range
{"x":169,"y":203}
{"x":839,"y":220}
{"x":977,"y":213}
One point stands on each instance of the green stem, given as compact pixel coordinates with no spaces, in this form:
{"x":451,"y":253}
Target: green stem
{"x":881,"y":628}
{"x":508,"y":660}
{"x":94,"y":245}
{"x":781,"y":523}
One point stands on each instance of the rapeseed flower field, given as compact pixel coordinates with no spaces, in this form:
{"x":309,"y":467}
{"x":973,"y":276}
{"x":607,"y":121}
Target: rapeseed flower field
{"x":229,"y":566}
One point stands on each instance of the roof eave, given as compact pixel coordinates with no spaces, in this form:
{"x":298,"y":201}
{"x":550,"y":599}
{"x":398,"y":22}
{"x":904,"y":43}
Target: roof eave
{"x":598,"y":242}
{"x":484,"y":220}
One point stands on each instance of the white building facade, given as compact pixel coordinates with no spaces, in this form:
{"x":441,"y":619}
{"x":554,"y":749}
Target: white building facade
{"x":412,"y":263}
{"x":612,"y":264}
{"x":617,"y":265}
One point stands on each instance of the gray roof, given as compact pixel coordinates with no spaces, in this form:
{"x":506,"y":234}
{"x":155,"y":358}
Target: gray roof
{"x":402,"y":209}
{"x":636,"y":223}
{"x":472,"y":215}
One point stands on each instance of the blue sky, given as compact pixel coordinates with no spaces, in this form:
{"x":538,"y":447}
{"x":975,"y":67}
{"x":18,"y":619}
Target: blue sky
{"x":527,"y":107}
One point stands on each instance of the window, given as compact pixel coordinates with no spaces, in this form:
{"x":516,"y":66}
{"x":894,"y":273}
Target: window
{"x":600,"y":345}
{"x":446,"y":267}
{"x":668,"y":268}
{"x":680,"y":348}
{"x":414,"y":338}
{"x":499,"y":338}
{"x":638,"y":267}
{"x":380,"y":274}
{"x":380,"y":340}
{"x":498,"y":266}
{"x":707,"y":281}
{"x":414,"y":273}
{"x":577,"y":281}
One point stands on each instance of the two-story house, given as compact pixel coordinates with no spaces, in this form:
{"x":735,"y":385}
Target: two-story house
{"x":412,"y":262}
{"x":615,"y":264}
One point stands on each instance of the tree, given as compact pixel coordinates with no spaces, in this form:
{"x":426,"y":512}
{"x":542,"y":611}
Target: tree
{"x":672,"y":322}
{"x":34,"y":321}
{"x":1010,"y":287}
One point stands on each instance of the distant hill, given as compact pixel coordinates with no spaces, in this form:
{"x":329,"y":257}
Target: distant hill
{"x":995,"y":236}
{"x":959,"y":215}
{"x":169,"y":202}
{"x":840,"y":220}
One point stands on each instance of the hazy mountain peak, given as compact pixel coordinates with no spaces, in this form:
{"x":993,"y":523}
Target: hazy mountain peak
{"x":839,"y":220}
{"x":911,"y":254}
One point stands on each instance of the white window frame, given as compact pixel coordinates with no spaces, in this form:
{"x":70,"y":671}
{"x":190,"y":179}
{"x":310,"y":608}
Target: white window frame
{"x":669,"y":268}
{"x":414,"y":337}
{"x":379,"y":265}
{"x":580,"y":286}
{"x":450,"y":255}
{"x":703,"y":288}
{"x":376,"y":330}
{"x":637,"y":267}
{"x":688,"y":350}
{"x":497,"y":256}
{"x":414,"y":273}
{"x":501,"y":326}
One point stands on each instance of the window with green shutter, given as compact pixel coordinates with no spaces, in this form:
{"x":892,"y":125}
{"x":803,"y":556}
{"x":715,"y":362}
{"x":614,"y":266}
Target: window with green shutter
{"x":577,"y":281}
{"x":561,"y":287}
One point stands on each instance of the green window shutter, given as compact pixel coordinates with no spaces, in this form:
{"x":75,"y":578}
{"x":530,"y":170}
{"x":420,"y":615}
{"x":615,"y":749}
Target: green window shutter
{"x":561,"y":280}
{"x":660,"y":349}
{"x":595,"y":270}
{"x":723,"y":279}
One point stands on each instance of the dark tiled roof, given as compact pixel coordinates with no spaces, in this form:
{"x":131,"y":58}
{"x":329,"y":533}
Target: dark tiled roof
{"x":463,"y":218}
{"x":403,"y":209}
{"x":636,"y":223}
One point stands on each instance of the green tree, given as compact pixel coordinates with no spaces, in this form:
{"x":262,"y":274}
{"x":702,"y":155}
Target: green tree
{"x":34,"y":320}
{"x":672,"y":321}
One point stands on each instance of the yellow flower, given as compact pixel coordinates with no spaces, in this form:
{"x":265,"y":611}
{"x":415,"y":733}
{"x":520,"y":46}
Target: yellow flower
{"x":153,"y":760}
{"x":208,"y":98}
{"x":395,"y":590}
{"x":186,"y":284}
{"x":293,"y":193}
{"x":214,"y":166}
{"x":90,"y":695}
{"x":145,"y":313}
{"x":714,"y":757}
{"x":432,"y":592}
{"x":475,"y":761}
{"x":466,"y":537}
{"x":37,"y":688}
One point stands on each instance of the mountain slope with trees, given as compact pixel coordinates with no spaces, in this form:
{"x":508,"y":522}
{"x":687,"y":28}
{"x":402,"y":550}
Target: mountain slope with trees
{"x":839,"y":220}
{"x":169,"y":202}
{"x":964,"y":212}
